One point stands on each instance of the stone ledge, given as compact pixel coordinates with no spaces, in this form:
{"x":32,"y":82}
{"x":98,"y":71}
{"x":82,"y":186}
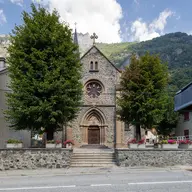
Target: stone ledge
{"x":155,"y":149}
{"x":35,"y":149}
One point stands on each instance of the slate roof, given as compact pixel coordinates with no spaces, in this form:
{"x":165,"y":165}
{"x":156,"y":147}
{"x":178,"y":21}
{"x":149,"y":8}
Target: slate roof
{"x":183,"y":98}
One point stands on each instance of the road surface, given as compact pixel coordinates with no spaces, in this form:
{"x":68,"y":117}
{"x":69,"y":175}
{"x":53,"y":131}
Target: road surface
{"x":126,"y":181}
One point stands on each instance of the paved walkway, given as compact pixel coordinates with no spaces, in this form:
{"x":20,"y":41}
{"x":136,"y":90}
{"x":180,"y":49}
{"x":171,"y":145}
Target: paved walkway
{"x":84,"y":171}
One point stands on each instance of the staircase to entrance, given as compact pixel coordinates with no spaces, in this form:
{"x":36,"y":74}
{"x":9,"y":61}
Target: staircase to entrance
{"x":93,"y":157}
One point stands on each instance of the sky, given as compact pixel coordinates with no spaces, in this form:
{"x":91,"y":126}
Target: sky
{"x":112,"y":20}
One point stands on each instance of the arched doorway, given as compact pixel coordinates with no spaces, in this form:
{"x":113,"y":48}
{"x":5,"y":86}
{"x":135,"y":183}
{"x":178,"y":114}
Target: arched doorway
{"x":93,"y":128}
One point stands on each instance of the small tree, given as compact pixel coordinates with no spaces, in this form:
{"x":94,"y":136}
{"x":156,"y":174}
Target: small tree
{"x":142,"y":101}
{"x":170,"y":119}
{"x":44,"y":69}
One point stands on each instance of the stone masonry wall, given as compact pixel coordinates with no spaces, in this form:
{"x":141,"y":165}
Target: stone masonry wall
{"x":153,"y":157}
{"x":34,"y":158}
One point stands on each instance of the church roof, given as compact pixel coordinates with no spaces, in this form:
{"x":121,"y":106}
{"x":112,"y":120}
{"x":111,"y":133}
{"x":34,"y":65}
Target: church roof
{"x":102,"y":55}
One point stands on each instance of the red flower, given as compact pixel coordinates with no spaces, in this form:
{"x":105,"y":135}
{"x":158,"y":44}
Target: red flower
{"x":58,"y":142}
{"x":133,"y":141}
{"x":69,"y":141}
{"x":185,"y":142}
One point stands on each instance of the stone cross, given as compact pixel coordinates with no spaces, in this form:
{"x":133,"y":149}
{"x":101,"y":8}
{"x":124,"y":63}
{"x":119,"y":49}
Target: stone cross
{"x":94,"y":37}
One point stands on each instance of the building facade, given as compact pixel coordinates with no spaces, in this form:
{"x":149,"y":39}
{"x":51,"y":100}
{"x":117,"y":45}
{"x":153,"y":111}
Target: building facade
{"x":183,"y":105}
{"x":96,"y":121}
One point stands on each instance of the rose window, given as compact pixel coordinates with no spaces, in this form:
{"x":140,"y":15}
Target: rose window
{"x":94,"y":89}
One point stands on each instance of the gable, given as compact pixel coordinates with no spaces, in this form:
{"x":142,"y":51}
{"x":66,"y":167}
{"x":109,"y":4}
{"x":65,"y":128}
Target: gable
{"x":93,"y":50}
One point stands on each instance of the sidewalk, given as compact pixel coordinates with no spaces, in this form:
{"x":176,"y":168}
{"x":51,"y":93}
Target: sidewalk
{"x":94,"y":170}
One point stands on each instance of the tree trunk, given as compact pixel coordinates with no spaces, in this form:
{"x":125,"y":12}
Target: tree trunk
{"x":138,"y":132}
{"x":50,"y":134}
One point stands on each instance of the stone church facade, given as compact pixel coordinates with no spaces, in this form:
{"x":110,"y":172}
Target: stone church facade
{"x":96,"y":121}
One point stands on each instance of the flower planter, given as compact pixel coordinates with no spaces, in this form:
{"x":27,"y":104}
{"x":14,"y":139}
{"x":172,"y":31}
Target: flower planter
{"x":14,"y":145}
{"x":69,"y":146}
{"x":50,"y":145}
{"x":141,"y":146}
{"x":58,"y":145}
{"x":169,"y":146}
{"x":133,"y":145}
{"x":185,"y":146}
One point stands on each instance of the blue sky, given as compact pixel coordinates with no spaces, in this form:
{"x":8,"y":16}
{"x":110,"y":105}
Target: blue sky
{"x":113,"y":20}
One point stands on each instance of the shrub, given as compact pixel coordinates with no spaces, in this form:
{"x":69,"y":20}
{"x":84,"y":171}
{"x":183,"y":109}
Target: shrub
{"x":170,"y":141}
{"x":14,"y":141}
{"x":50,"y":142}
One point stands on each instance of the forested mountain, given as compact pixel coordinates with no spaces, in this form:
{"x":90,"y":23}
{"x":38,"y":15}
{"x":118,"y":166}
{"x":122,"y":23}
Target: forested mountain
{"x":173,"y":48}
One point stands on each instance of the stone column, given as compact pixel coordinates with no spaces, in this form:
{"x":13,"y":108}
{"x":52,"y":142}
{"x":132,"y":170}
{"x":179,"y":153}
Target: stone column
{"x":118,"y":134}
{"x":102,"y":135}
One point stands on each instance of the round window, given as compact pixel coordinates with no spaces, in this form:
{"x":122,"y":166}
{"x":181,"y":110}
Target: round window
{"x":94,"y":89}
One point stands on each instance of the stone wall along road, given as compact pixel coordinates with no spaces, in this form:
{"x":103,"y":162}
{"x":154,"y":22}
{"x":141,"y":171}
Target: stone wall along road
{"x":34,"y":158}
{"x":153,"y":157}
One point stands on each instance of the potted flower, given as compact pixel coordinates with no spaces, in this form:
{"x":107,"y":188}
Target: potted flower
{"x":58,"y":144}
{"x":134,"y":144}
{"x":69,"y":144}
{"x":14,"y":143}
{"x":169,"y":144}
{"x":141,"y":144}
{"x":50,"y":144}
{"x":185,"y":144}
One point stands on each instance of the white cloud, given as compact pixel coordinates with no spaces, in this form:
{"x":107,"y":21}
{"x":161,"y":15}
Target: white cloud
{"x":100,"y":16}
{"x":18,"y":2}
{"x":142,"y":31}
{"x":136,"y":2}
{"x":2,"y":17}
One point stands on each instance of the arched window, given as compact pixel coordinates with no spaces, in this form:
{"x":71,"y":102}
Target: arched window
{"x":91,"y":65}
{"x":96,"y":65}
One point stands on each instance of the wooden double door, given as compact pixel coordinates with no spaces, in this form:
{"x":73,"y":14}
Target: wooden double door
{"x":94,"y":135}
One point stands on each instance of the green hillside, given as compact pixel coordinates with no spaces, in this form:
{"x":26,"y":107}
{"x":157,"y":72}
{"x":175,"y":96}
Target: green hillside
{"x":116,"y":52}
{"x":173,"y":48}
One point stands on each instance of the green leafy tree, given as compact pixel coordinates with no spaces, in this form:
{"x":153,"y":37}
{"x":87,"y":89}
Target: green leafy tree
{"x":142,"y":101}
{"x":44,"y":71}
{"x":170,"y":118}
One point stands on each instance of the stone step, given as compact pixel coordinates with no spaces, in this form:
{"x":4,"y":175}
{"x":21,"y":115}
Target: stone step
{"x":93,"y":155}
{"x":93,"y":164}
{"x":93,"y":151}
{"x":93,"y":160}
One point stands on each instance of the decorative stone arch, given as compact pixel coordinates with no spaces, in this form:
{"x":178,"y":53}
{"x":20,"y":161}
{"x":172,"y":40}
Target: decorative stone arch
{"x":93,"y":119}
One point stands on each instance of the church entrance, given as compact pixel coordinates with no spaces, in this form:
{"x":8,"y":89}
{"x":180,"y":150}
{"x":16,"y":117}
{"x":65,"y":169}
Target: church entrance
{"x":93,"y":135}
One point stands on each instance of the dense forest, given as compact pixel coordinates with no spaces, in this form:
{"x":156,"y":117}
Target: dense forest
{"x":175,"y":49}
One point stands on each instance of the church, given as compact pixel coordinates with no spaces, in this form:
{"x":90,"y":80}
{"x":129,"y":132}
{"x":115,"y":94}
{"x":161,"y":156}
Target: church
{"x":96,"y":122}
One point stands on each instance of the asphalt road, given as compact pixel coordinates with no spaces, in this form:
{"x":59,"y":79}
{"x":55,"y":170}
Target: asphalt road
{"x":135,"y":181}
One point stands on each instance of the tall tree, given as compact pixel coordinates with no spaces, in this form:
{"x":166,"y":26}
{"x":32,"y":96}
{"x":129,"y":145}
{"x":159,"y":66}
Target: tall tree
{"x":44,"y":69}
{"x":142,"y":101}
{"x":170,"y":118}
